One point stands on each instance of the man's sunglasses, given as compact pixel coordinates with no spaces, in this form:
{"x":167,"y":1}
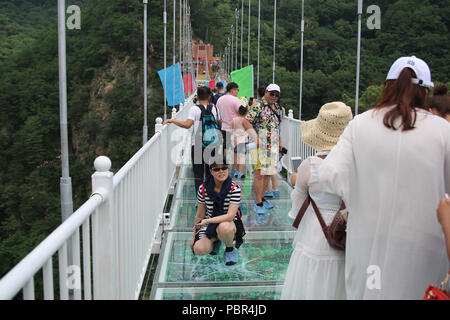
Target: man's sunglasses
{"x":273,"y":94}
{"x":217,"y":169}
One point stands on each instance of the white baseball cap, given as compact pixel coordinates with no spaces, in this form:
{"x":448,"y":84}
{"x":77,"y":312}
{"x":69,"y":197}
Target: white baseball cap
{"x":273,"y":87}
{"x":419,"y":66}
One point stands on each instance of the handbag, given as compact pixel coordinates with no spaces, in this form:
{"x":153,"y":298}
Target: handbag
{"x":438,"y":293}
{"x":335,"y":233}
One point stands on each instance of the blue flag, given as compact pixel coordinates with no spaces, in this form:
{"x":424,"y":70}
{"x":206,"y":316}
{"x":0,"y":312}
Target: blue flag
{"x":174,"y":96}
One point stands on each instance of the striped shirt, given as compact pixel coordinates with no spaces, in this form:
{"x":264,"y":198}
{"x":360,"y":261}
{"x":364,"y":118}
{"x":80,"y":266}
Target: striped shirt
{"x":233,"y":197}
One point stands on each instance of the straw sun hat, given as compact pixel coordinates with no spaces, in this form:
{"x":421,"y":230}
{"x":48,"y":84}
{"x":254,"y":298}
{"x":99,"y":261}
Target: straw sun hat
{"x":323,"y":132}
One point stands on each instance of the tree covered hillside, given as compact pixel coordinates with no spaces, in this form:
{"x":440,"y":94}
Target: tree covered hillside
{"x":105,"y":79}
{"x":408,"y":27}
{"x":105,"y":113}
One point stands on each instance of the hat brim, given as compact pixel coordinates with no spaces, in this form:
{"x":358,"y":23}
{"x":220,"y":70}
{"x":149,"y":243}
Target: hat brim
{"x":312,"y":136}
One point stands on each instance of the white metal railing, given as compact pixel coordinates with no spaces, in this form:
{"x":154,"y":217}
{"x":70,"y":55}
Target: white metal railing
{"x":291,"y":137}
{"x":124,"y":213}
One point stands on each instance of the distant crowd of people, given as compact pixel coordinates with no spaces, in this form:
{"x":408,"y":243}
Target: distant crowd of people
{"x":382,"y":174}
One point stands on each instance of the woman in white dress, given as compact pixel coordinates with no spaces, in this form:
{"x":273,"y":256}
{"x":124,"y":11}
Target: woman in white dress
{"x":391,"y":166}
{"x":316,"y":270}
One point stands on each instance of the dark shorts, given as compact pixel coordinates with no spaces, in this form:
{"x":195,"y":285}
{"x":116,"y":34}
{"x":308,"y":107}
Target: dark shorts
{"x":240,"y":148}
{"x":226,"y":142}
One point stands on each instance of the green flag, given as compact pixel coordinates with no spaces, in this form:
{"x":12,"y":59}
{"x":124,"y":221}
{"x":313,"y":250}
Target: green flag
{"x":244,"y":79}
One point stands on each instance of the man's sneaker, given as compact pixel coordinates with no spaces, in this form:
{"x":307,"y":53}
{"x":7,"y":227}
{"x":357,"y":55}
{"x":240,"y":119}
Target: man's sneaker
{"x":231,"y":257}
{"x":259,"y":210}
{"x":267,"y":204}
{"x":216,"y":247}
{"x":233,"y":173}
{"x":276,"y":193}
{"x":242,"y":175}
{"x":268,"y":194}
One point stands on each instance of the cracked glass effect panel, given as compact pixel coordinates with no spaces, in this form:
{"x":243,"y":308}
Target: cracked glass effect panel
{"x":263,"y":257}
{"x":219,"y":293}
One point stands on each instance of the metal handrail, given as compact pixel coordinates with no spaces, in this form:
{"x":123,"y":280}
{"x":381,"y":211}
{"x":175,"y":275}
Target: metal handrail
{"x":22,"y":275}
{"x":17,"y":277}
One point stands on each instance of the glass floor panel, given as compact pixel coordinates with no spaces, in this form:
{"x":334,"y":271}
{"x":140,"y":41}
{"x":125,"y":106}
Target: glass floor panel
{"x":185,"y":189}
{"x":183,"y":214}
{"x":263,"y":257}
{"x":218,"y":293}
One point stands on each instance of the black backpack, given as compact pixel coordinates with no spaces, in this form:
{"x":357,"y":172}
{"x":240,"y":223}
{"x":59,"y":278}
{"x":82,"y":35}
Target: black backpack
{"x":216,"y":97}
{"x":210,"y":131}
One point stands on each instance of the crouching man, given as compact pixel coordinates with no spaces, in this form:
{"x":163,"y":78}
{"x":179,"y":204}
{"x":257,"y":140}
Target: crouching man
{"x":218,"y":218}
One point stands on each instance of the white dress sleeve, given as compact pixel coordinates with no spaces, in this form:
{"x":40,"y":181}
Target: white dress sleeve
{"x":338,"y":169}
{"x":300,"y":192}
{"x":447,"y":164}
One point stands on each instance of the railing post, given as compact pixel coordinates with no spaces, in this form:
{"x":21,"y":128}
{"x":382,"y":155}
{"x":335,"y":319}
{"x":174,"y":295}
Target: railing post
{"x":181,"y":106}
{"x":104,"y":233}
{"x":174,"y":112}
{"x":291,"y":114}
{"x":158,"y":125}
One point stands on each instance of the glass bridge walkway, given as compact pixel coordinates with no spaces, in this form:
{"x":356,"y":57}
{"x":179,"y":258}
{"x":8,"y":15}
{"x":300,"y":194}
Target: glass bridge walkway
{"x":263,"y":258}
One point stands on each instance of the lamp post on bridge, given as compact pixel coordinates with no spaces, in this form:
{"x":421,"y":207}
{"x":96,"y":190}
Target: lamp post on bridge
{"x":65,"y":181}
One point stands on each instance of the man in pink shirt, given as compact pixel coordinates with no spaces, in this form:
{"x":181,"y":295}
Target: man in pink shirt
{"x":228,"y":106}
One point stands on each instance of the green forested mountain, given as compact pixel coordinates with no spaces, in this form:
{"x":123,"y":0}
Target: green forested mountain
{"x":408,"y":27}
{"x":104,"y":63}
{"x":105,"y":116}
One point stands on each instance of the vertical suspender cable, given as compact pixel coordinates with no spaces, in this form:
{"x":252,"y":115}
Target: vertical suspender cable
{"x":145,"y":128}
{"x":237,"y":31}
{"x":181,"y":50}
{"x":197,"y":59}
{"x":259,"y":36}
{"x":232,"y":48}
{"x":248,"y":45}
{"x":360,"y":5}
{"x":173,"y":53}
{"x":165,"y":57}
{"x":207,"y":64}
{"x":242,"y":28}
{"x":301,"y":63}
{"x":274,"y":38}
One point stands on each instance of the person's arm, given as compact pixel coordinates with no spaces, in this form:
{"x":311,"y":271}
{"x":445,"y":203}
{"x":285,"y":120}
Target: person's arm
{"x":201,"y":211}
{"x":228,"y":217}
{"x":300,"y":192}
{"x":251,"y":132}
{"x":182,"y":124}
{"x":293,"y":178}
{"x":443,"y":213}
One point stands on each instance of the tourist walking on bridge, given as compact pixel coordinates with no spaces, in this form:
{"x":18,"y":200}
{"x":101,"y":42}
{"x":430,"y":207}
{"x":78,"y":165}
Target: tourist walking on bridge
{"x":228,"y":106}
{"x":391,"y":167}
{"x":199,"y":164}
{"x":316,"y":270}
{"x":265,"y":117}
